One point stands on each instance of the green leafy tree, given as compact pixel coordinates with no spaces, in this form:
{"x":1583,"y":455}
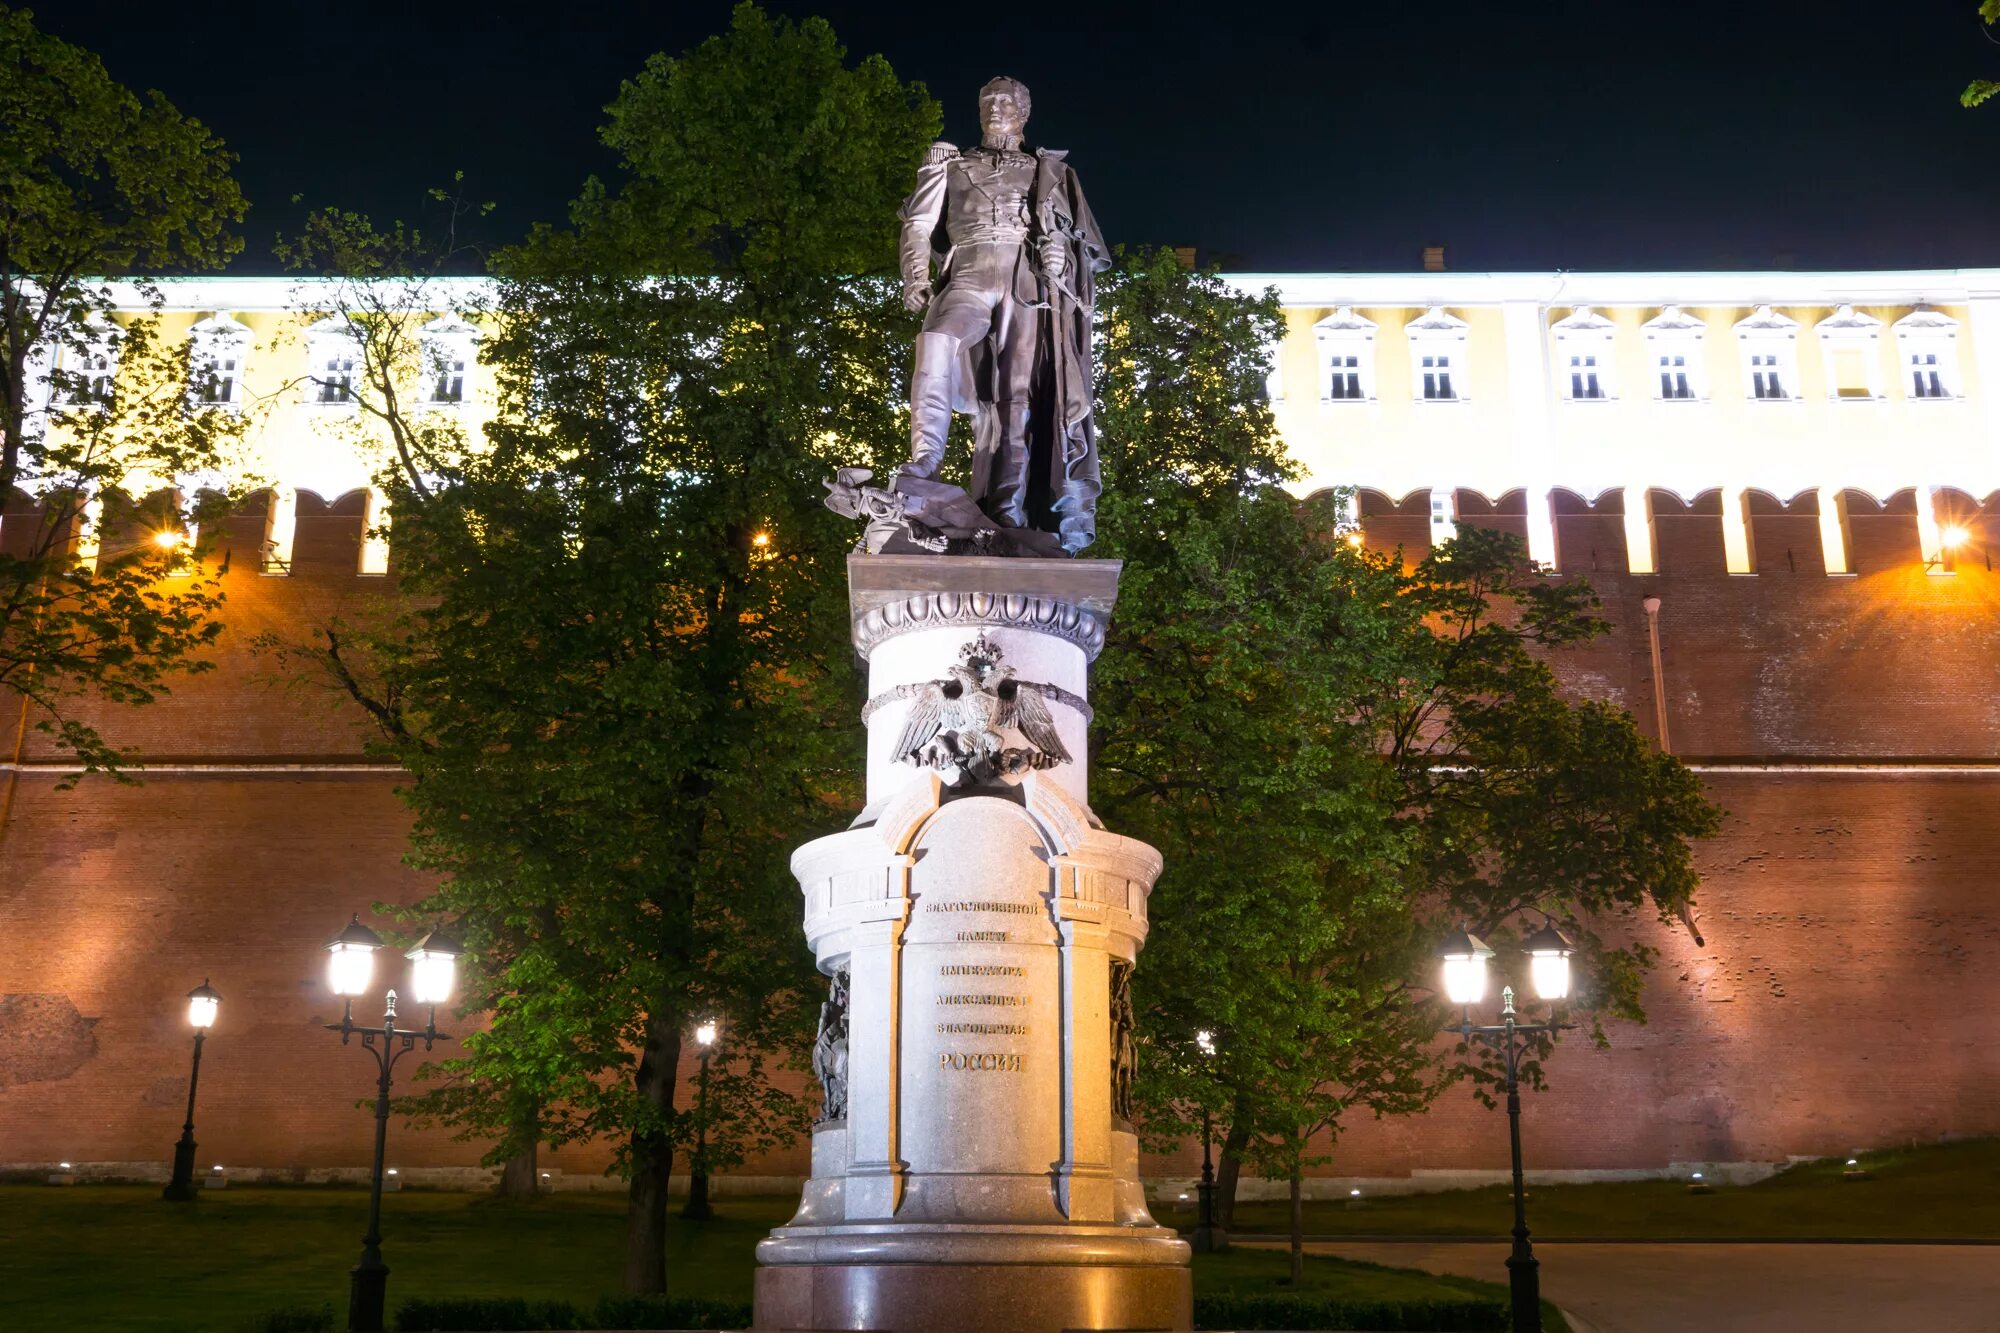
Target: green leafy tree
{"x":623,"y":690}
{"x":1236,"y":736}
{"x":98,"y":416}
{"x":1981,"y":90}
{"x":1336,"y":756}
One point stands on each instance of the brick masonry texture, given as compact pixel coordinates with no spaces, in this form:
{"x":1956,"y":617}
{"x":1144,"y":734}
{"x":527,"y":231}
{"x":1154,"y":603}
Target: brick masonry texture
{"x":1837,"y":1003}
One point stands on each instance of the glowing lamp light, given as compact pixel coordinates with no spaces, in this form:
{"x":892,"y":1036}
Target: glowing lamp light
{"x":63,"y":1165}
{"x":1355,"y":539}
{"x":1184,"y":1194}
{"x":1953,"y":536}
{"x":1697,"y":1175}
{"x":350,"y":959}
{"x":1464,"y":957}
{"x":1548,"y":951}
{"x":761,"y":540}
{"x":1354,"y":1194}
{"x":202,"y":1004}
{"x":1854,"y":1161}
{"x":434,"y":967}
{"x":1204,"y":1041}
{"x":392,"y":1170}
{"x":705,"y":1034}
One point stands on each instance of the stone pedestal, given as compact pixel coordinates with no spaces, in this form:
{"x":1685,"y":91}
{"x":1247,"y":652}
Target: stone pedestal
{"x":980,"y":1176}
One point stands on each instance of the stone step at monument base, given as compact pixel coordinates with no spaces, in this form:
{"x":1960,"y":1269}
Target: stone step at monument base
{"x":924,"y":1297}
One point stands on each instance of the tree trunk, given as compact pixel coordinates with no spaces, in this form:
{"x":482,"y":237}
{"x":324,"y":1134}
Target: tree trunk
{"x":520,"y":1178}
{"x":1298,"y":1228}
{"x":1226,"y":1174}
{"x":652,"y":1157}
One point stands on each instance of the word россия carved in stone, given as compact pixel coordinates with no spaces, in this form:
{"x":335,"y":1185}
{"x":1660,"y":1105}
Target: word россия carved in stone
{"x":957,"y":725}
{"x":1000,"y":253}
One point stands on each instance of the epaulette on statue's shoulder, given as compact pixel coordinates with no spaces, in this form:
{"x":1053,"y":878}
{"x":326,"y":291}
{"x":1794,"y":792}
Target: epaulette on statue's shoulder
{"x":940,"y":153}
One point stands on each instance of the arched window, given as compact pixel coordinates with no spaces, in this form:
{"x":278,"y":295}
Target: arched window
{"x":1437,"y":357}
{"x":1346,"y":345}
{"x":333,"y":353}
{"x":450,"y":347}
{"x":1770,"y":345}
{"x":1584,"y":356}
{"x":218,"y":350}
{"x":85,"y":367}
{"x":1927,"y":347}
{"x":1851,"y":342}
{"x":1674,"y":347}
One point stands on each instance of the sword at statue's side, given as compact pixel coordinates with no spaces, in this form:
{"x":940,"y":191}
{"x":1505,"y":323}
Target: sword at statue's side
{"x":1055,"y":232}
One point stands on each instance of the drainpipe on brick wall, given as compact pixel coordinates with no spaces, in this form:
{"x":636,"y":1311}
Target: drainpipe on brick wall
{"x":1652,"y":605}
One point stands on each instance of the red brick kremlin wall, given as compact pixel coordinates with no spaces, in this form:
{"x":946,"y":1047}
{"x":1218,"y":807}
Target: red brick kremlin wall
{"x":1850,"y":725}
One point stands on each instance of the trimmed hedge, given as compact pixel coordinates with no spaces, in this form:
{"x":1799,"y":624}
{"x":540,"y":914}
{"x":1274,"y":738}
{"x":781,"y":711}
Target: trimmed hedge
{"x":647,"y":1312}
{"x":296,"y":1319}
{"x":1318,"y":1312}
{"x":513,"y":1315}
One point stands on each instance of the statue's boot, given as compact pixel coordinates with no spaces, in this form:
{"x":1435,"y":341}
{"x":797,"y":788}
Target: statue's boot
{"x":1006,"y":498}
{"x":930,"y":403}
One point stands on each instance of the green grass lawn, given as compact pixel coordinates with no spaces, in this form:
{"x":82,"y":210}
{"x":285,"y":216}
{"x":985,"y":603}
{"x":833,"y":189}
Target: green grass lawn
{"x":1948,"y":1191}
{"x":115,"y":1258}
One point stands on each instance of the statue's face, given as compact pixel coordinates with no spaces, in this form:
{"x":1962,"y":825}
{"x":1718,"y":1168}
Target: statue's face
{"x":1001,"y":113}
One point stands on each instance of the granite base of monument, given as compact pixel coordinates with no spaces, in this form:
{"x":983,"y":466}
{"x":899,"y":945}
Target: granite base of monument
{"x":976,"y":1169}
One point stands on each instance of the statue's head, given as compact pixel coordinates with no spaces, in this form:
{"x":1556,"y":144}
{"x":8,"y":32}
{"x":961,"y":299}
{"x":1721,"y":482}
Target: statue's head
{"x":1003,"y":107}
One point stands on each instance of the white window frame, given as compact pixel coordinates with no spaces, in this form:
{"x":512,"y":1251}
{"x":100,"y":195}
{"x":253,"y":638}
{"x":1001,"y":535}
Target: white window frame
{"x":1438,"y":333}
{"x":1848,"y":332}
{"x":1586,"y":351}
{"x":449,"y":346}
{"x":328,"y":342}
{"x":218,"y":344}
{"x":1346,"y":339}
{"x":1675,"y":333}
{"x":1928,"y":332}
{"x":1766,"y":333}
{"x":100,"y":343}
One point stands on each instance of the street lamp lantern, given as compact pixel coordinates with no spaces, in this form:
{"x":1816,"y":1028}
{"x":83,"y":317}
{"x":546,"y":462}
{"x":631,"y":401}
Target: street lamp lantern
{"x":698,"y":1208}
{"x":434,"y":967}
{"x":1464,"y":956}
{"x":1548,"y":951}
{"x":1207,"y":1239}
{"x":202,"y":1004}
{"x":350,"y":959}
{"x":350,"y":965}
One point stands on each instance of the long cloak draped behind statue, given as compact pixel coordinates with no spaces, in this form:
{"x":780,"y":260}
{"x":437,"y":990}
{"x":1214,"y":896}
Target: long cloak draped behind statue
{"x":1064,"y":480}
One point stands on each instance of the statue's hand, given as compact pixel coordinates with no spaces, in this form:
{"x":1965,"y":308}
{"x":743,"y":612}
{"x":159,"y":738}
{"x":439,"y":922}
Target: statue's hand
{"x":916,"y":295}
{"x":1052,"y":258}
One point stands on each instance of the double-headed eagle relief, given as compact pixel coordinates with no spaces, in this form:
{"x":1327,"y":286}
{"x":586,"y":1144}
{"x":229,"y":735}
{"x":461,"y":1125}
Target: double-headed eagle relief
{"x":958,"y":725}
{"x":1000,"y":253}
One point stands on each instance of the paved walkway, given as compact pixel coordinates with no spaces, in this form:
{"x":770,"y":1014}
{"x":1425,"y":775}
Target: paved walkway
{"x":1687,"y":1288}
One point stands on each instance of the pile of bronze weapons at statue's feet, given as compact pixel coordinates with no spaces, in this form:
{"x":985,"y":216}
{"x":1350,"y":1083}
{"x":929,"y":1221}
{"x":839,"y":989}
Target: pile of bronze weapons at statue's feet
{"x":918,"y":516}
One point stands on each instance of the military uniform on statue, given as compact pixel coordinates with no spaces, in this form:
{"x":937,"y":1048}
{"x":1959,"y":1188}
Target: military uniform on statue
{"x":975,"y":1164}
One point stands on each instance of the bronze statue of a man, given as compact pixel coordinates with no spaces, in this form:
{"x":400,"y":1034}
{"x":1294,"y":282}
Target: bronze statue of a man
{"x":1007,"y":323}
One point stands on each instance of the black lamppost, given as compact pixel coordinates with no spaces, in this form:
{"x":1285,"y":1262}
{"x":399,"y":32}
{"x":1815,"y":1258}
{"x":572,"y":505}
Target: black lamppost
{"x":350,"y":964}
{"x":1203,"y":1240}
{"x":1464,"y":957}
{"x":202,"y":1004}
{"x":697,"y":1209}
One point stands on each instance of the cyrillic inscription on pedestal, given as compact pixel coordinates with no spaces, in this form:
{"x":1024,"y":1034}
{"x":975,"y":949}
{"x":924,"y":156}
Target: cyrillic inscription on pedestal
{"x":981,"y":1019}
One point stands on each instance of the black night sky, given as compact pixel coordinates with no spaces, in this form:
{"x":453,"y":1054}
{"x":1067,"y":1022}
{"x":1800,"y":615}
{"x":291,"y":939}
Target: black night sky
{"x":1606,"y":135}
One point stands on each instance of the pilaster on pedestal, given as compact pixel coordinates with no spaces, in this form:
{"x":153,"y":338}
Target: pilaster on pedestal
{"x":981,"y":1175}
